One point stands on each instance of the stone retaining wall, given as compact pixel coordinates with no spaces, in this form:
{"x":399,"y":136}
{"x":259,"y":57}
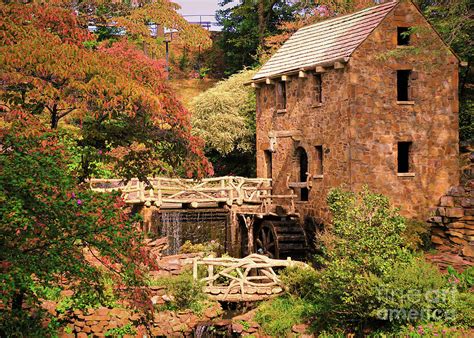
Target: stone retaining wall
{"x":453,"y":222}
{"x":97,"y":322}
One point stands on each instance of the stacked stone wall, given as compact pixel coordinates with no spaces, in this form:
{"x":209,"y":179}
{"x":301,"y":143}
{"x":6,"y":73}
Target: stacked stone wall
{"x":101,"y":322}
{"x":453,"y":223}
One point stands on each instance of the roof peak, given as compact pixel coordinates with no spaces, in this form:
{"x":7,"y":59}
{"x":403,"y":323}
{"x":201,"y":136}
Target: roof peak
{"x":340,"y":17}
{"x":326,"y":41}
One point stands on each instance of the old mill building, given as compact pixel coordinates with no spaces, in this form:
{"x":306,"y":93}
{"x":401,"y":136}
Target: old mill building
{"x":369,"y":98}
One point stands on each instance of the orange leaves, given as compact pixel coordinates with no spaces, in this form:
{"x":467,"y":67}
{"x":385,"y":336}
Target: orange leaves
{"x":116,"y":88}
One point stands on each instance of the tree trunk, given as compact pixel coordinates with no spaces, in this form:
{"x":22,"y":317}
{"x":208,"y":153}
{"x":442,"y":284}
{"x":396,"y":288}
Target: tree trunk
{"x":54,"y":117}
{"x":261,"y":22}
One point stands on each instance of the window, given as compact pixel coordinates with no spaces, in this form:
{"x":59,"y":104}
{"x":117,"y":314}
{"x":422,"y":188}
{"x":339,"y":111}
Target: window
{"x":403,"y":36}
{"x":403,"y":84}
{"x":319,"y":161}
{"x":404,"y":149}
{"x":281,"y":95}
{"x":303,"y":166}
{"x":268,"y":163}
{"x":318,"y":88}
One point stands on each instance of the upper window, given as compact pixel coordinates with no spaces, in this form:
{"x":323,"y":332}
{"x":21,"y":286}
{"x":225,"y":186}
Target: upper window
{"x":403,"y":36}
{"x":404,"y":157}
{"x":318,"y":88}
{"x":280,"y":88}
{"x":319,"y":160}
{"x":403,"y":84}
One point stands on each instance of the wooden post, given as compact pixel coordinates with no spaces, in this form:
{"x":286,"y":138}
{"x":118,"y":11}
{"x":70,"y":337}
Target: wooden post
{"x":249,"y":221}
{"x":210,"y":273}
{"x":195,"y":269}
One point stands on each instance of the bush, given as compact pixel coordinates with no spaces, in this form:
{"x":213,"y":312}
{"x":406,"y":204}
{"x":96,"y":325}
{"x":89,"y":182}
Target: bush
{"x":414,"y":292}
{"x":300,"y":281}
{"x":208,"y":248}
{"x":371,"y":280}
{"x":277,"y":317}
{"x":416,"y":235}
{"x":364,"y":240}
{"x":185,"y":292}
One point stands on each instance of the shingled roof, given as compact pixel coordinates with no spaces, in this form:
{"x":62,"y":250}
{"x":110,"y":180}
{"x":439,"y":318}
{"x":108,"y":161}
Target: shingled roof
{"x":325,"y":42}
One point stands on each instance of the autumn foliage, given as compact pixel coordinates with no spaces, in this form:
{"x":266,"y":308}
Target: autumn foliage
{"x":113,"y":91}
{"x":68,"y":105}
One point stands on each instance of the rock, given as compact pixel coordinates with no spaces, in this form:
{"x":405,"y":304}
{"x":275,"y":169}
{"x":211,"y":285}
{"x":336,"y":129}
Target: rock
{"x":468,"y":250}
{"x":237,"y":327}
{"x":299,"y":328}
{"x":210,"y":312}
{"x":437,"y":240}
{"x":103,"y":311}
{"x":67,"y":293}
{"x":438,"y":232}
{"x":82,"y":335}
{"x":435,"y":219}
{"x":458,"y":240}
{"x":447,"y":201}
{"x":96,"y":318}
{"x":456,"y":225}
{"x":454,"y":212}
{"x":456,"y":191}
{"x":458,"y":233}
{"x":50,"y":306}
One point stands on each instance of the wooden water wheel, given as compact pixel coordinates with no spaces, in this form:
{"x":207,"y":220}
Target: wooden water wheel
{"x":280,"y":239}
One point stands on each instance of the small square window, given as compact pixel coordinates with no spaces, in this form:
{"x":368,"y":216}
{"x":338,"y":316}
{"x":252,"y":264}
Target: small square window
{"x":403,"y":36}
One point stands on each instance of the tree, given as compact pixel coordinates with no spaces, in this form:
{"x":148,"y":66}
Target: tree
{"x":245,"y":26}
{"x":453,"y":20}
{"x":49,"y":226}
{"x":224,"y":116}
{"x":116,"y":92}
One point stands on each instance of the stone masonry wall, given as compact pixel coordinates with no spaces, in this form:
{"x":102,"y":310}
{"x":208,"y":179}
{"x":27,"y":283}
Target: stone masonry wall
{"x":453,"y":223}
{"x":359,"y":122}
{"x":430,"y":121}
{"x":99,"y":322}
{"x":319,"y":124}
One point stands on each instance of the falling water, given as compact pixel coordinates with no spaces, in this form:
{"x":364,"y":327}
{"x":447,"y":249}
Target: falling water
{"x":171,"y":227}
{"x":198,"y":227}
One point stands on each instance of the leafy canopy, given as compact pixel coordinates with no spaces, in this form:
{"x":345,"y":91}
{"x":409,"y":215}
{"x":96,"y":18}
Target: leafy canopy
{"x":50,"y":226}
{"x":115,"y":96}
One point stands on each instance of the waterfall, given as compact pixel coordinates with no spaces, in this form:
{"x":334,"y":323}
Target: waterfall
{"x":198,"y":226}
{"x":171,"y":228}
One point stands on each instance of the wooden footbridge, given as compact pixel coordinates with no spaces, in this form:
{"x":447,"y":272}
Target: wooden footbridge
{"x":252,"y":278}
{"x":176,"y":193}
{"x":270,"y":228}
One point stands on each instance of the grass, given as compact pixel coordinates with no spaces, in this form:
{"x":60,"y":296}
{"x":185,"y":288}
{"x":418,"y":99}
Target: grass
{"x":276,"y":317}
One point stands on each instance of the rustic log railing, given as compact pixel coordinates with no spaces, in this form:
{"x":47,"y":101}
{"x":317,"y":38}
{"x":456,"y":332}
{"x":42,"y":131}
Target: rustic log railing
{"x":246,"y":279}
{"x":228,"y":189}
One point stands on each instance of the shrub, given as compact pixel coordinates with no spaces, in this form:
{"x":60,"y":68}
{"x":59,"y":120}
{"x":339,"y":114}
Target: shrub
{"x":208,"y":248}
{"x":300,"y":281}
{"x":224,"y":116}
{"x":277,"y":317}
{"x":416,"y":235}
{"x":414,"y":292}
{"x":365,"y":239}
{"x":186,"y":293}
